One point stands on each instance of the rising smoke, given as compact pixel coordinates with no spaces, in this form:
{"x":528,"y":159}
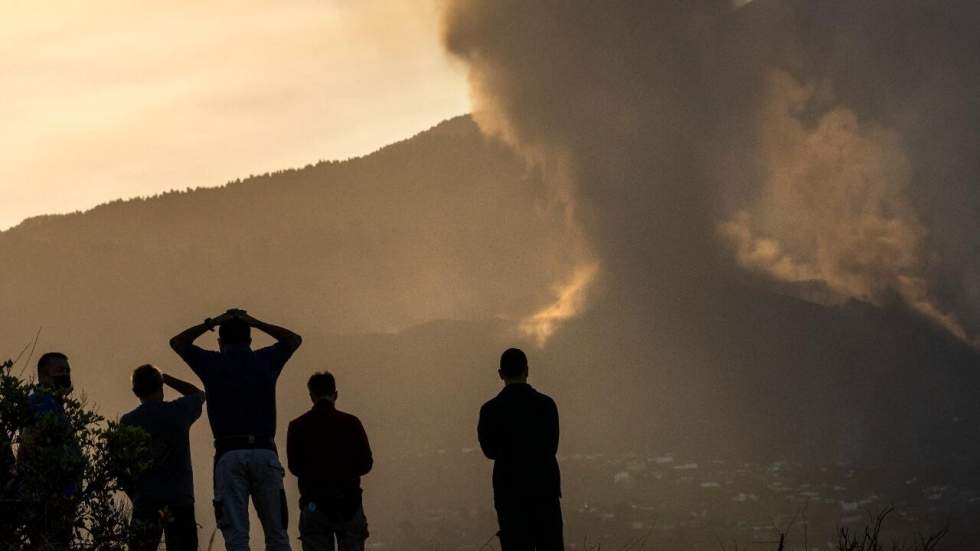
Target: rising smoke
{"x":834,"y":206}
{"x":818,"y":142}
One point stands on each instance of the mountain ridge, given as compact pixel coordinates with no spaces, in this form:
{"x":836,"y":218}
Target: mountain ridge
{"x":452,"y":126}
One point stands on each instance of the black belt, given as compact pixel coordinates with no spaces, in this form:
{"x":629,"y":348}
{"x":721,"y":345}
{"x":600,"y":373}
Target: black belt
{"x":243,"y":442}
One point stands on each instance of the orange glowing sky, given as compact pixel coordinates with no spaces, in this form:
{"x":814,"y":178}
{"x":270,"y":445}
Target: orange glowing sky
{"x":102,"y":99}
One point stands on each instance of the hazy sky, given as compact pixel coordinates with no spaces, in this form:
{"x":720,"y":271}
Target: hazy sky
{"x":103,"y":99}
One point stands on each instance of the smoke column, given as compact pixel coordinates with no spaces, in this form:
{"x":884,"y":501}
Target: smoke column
{"x":819,"y":143}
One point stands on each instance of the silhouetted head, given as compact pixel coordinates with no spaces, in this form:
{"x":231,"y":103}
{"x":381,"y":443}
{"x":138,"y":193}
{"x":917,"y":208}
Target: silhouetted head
{"x":234,"y":332}
{"x":513,"y":366}
{"x":53,"y":371}
{"x":322,"y":386}
{"x":148,"y":383}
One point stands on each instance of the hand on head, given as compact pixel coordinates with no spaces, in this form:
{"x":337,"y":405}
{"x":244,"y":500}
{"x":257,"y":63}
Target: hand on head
{"x":228,"y":315}
{"x":236,"y":314}
{"x":223,"y":317}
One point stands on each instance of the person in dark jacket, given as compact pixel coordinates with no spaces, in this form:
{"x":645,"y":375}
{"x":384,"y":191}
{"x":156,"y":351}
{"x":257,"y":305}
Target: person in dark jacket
{"x":328,"y":451}
{"x":518,"y":429}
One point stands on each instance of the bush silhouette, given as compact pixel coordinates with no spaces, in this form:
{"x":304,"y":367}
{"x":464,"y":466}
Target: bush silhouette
{"x":64,"y":490}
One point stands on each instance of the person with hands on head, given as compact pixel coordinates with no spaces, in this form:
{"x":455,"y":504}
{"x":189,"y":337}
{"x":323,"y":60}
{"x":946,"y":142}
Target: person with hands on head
{"x":163,"y":496}
{"x":241,"y":389}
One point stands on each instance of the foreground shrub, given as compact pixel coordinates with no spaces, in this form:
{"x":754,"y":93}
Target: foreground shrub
{"x":63,"y":472}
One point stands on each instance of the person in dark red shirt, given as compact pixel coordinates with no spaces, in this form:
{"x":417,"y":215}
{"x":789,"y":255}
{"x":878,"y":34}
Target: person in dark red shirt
{"x":328,"y":451}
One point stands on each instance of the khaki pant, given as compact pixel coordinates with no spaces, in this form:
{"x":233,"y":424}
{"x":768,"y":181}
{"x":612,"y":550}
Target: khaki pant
{"x":256,"y":474}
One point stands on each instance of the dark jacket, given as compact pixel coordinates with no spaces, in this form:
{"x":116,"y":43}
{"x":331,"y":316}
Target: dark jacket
{"x":328,"y":451}
{"x":518,"y":429}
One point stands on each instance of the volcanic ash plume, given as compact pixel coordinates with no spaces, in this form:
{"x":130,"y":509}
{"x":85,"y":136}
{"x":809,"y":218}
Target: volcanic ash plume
{"x":833,"y":206}
{"x":570,"y":299}
{"x":810,"y":141}
{"x":580,"y":269}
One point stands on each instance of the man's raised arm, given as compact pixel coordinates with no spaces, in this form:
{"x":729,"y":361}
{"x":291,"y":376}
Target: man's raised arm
{"x":281,"y":334}
{"x":185,"y":339}
{"x":183,"y":387}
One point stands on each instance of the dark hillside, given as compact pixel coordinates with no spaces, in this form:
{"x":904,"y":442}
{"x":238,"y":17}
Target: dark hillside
{"x":407,"y":234}
{"x":406,"y":270}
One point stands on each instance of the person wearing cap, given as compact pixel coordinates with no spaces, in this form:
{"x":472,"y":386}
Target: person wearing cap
{"x":163,"y":496}
{"x":241,"y":389}
{"x":518,"y":430}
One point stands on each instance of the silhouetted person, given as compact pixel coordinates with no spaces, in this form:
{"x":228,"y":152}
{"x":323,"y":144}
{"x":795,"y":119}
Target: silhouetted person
{"x":8,"y":461}
{"x":50,"y":463}
{"x":163,"y":496}
{"x":518,"y":429}
{"x":241,"y":388}
{"x":328,"y":451}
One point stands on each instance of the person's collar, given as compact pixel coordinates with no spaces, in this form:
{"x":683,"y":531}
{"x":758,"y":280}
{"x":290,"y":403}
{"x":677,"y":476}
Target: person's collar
{"x":516,"y":387}
{"x":324,"y":403}
{"x":44,"y":391}
{"x":237,"y":347}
